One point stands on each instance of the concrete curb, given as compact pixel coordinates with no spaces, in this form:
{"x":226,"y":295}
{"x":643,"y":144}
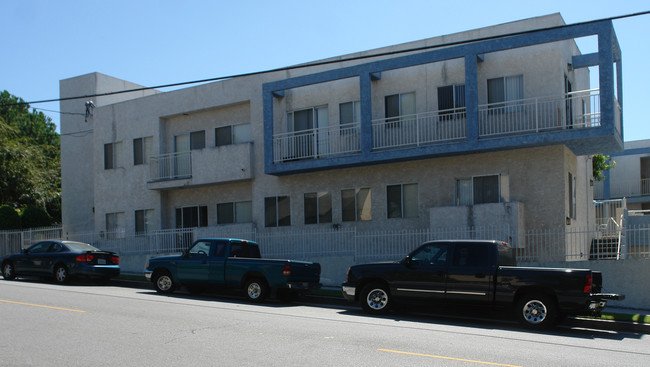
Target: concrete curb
{"x":582,"y":322}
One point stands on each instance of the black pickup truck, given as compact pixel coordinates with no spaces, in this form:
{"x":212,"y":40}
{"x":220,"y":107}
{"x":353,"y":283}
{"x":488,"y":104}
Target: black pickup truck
{"x":481,"y":274}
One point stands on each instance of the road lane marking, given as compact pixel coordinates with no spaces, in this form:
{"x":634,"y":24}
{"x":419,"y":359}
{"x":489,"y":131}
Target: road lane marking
{"x":42,"y":306}
{"x":447,"y":358}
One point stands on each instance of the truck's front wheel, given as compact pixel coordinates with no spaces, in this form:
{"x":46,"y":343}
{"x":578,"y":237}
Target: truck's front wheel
{"x":256,"y":290}
{"x":163,"y":282}
{"x":536,"y":311}
{"x":375,"y":298}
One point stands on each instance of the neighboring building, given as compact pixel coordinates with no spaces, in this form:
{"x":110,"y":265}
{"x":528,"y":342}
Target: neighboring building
{"x":481,"y":132}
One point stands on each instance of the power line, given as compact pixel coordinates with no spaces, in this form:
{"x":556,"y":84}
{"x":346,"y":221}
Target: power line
{"x":320,"y":63}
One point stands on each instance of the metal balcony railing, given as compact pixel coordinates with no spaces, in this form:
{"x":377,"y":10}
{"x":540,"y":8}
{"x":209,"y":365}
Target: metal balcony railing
{"x":315,"y":143}
{"x":579,"y":109}
{"x":170,"y":166}
{"x":623,"y":189}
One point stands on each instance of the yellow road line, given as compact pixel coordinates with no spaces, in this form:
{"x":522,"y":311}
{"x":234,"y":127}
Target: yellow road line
{"x":448,"y":358}
{"x":33,"y":305}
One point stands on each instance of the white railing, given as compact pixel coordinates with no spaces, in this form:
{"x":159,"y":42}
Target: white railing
{"x":314,"y":143}
{"x":579,"y":109}
{"x":623,"y":189}
{"x":421,"y":128}
{"x":170,"y":166}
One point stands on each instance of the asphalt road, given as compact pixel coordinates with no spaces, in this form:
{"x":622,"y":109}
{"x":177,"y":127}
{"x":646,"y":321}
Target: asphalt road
{"x":44,"y":324}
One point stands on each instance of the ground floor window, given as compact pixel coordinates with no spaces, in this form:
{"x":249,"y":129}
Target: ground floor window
{"x":143,"y":221}
{"x":402,"y":200}
{"x":236,"y":212}
{"x":115,"y":225}
{"x":277,"y":211}
{"x":478,"y":190}
{"x":318,"y":207}
{"x":355,"y":205}
{"x":192,"y":216}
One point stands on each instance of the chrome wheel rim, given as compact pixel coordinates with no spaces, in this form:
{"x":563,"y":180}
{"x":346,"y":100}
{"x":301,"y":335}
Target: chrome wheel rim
{"x":61,"y":274}
{"x":377,"y":299}
{"x":164,"y":282}
{"x":8,"y":271}
{"x":534,"y":311}
{"x":254,"y":290}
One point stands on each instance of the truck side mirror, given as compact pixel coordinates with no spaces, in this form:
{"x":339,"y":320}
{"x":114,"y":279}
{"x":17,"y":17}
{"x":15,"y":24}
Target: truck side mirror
{"x":408,"y":261}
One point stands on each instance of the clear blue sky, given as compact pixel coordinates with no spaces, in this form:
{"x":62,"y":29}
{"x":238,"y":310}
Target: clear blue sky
{"x":161,"y":42}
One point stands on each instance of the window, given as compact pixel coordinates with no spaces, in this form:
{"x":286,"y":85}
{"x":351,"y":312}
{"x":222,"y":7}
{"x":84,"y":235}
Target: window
{"x":142,"y":150}
{"x":192,"y":216}
{"x":197,"y":140}
{"x":307,"y":119}
{"x":238,"y":212}
{"x":318,"y":207}
{"x":504,"y":89}
{"x":113,"y":155}
{"x":232,"y":134}
{"x":115,"y":225}
{"x":572,"y":196}
{"x":451,"y":99}
{"x":143,"y":221}
{"x":349,"y":112}
{"x":399,"y":105}
{"x":471,"y":255}
{"x":402,"y":200}
{"x":277,"y":211}
{"x":431,"y":254}
{"x":244,"y":249}
{"x":356,"y":205}
{"x":478,"y":190}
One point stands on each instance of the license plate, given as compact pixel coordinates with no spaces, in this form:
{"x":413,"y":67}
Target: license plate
{"x":101,"y":261}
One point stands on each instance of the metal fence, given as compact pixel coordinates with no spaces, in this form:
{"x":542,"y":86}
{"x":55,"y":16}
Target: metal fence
{"x":531,"y":246}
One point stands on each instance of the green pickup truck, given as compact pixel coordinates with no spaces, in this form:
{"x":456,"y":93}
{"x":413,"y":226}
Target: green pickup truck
{"x":231,"y":263}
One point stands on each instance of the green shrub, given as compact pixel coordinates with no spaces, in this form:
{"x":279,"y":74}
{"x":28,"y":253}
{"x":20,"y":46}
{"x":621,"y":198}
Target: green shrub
{"x":34,"y":217}
{"x":9,"y":218}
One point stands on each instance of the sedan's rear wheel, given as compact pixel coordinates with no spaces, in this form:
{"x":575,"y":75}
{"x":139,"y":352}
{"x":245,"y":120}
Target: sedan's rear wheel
{"x":164,"y":283}
{"x":8,"y":271}
{"x":61,"y":274}
{"x":375,"y":298}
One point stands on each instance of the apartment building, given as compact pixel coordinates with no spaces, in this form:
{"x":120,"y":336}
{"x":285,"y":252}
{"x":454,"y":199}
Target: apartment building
{"x":488,"y":127}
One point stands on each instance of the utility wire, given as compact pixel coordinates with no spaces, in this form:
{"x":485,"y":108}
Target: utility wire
{"x":319,"y":63}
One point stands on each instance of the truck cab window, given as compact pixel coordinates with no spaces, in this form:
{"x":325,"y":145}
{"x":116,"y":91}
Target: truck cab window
{"x":434,"y":254}
{"x":200,"y":249}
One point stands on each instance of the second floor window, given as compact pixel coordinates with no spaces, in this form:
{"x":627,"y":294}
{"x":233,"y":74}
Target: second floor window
{"x":232,"y":134}
{"x":451,"y":99}
{"x":505,"y":89}
{"x":349,"y":112}
{"x":142,"y":150}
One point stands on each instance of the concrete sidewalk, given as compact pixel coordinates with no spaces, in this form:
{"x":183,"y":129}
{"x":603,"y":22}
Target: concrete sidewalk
{"x":620,"y":317}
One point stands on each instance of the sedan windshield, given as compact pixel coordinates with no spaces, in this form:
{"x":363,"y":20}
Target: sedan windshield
{"x":79,"y":246}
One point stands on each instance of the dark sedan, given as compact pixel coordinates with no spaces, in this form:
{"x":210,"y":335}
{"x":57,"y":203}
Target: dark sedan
{"x":61,"y":260}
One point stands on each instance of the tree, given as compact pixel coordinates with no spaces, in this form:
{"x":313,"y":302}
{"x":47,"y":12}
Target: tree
{"x":9,"y":218}
{"x":601,"y":163}
{"x":30,"y":158}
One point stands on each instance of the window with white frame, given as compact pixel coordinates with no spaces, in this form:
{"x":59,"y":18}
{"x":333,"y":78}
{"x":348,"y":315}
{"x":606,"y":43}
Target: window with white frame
{"x":307,"y":119}
{"x":478,"y":190}
{"x":142,"y":149}
{"x":113,"y":155}
{"x":356,"y":205}
{"x":402,"y":200}
{"x":143,"y":221}
{"x":192,"y":216}
{"x":451,"y":99}
{"x":115,"y":225}
{"x":235,"y":212}
{"x":318,"y":207}
{"x":232,"y":134}
{"x":350,"y":112}
{"x":397,"y":107}
{"x":277,"y":211}
{"x":505,"y":89}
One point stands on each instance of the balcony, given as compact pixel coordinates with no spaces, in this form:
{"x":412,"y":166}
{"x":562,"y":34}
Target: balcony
{"x":206,"y":166}
{"x":628,"y":189}
{"x":317,"y":143}
{"x":525,"y":117}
